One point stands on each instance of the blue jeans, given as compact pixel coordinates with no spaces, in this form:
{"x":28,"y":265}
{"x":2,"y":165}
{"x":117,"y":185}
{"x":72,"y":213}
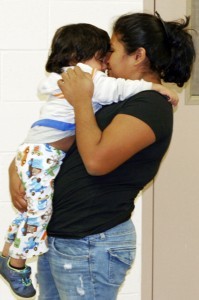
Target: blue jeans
{"x":91,"y":268}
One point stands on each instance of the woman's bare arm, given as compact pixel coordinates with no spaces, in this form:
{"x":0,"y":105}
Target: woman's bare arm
{"x":102,"y":151}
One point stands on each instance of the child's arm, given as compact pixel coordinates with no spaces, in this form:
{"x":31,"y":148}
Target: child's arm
{"x":108,"y":89}
{"x":170,"y":94}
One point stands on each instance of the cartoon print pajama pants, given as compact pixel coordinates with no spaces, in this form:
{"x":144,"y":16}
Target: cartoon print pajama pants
{"x":37,"y":166}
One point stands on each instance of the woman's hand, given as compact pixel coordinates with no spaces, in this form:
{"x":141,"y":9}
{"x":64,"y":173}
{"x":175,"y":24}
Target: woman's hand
{"x":76,"y":86}
{"x":16,"y":189}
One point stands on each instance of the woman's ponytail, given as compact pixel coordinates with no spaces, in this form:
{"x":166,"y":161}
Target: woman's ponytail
{"x":182,"y":52}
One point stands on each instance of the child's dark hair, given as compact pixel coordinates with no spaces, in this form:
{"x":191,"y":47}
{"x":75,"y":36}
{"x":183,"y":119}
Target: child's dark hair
{"x":169,"y":47}
{"x":75,"y":43}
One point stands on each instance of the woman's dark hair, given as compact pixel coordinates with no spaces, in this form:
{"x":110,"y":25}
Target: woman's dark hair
{"x":76,"y":43}
{"x":169,"y":46}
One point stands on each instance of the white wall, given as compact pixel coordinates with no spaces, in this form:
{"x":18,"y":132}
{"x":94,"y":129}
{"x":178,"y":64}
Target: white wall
{"x":26,"y":30}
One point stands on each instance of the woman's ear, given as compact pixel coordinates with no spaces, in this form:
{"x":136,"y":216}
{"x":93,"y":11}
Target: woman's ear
{"x":139,"y":55}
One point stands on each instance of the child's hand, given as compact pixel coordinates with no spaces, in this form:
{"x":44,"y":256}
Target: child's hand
{"x":171,"y":95}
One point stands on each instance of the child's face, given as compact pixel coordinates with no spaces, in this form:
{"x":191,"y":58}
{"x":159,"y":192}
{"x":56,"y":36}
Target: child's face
{"x":97,"y":63}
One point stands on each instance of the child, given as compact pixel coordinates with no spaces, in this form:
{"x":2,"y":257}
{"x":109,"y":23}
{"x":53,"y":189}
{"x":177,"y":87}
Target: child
{"x":39,"y":158}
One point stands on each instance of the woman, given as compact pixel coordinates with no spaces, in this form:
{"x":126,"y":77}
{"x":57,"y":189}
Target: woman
{"x":118,"y":151}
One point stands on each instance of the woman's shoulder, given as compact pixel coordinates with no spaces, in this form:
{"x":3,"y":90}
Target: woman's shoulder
{"x":149,"y":96}
{"x":147,"y":101}
{"x":152,"y":108}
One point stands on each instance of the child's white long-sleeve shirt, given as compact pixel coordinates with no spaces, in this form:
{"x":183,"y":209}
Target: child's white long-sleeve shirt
{"x":56,"y":120}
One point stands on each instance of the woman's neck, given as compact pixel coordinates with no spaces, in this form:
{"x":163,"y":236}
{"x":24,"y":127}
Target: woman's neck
{"x":152,"y":77}
{"x":143,"y":71}
{"x":147,"y":76}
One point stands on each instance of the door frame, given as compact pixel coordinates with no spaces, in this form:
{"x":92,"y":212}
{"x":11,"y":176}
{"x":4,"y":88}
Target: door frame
{"x":147,"y":218}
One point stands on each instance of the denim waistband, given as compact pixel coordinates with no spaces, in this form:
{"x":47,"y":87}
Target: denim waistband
{"x":121,"y":229}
